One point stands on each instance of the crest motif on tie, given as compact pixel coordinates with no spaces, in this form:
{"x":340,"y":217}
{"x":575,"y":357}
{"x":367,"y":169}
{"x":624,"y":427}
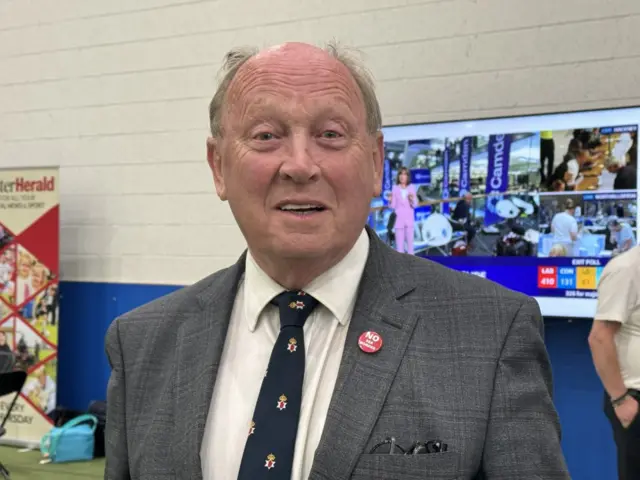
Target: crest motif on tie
{"x":252,"y":428}
{"x":271,"y":461}
{"x":282,"y":402}
{"x":293,"y":345}
{"x":298,"y":305}
{"x":301,"y":293}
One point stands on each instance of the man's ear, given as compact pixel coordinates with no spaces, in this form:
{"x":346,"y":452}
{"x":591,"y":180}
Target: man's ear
{"x":378,"y":163}
{"x":214,"y":158}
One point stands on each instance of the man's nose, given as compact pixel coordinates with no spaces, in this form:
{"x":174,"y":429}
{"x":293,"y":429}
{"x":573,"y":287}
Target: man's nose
{"x":300,"y":164}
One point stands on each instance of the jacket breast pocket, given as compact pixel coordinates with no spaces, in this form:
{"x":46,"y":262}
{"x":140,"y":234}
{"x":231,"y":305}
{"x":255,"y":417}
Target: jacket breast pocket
{"x":432,"y":466}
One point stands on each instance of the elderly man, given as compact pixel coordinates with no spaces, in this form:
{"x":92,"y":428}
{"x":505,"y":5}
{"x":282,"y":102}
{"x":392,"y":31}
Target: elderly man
{"x":322,"y":349}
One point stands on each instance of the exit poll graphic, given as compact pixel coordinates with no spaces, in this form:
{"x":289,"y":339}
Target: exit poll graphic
{"x":579,"y":279}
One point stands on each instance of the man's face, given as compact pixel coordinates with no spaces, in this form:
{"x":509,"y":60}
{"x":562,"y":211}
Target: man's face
{"x":294,"y":136}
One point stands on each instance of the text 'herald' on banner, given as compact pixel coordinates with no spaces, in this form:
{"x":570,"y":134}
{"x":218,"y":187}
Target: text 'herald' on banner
{"x":29,"y":296}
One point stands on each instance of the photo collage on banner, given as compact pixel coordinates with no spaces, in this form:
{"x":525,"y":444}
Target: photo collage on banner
{"x":555,"y":203}
{"x":29,"y":276}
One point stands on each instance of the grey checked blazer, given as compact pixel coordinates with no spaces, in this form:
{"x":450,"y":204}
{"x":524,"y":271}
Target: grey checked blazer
{"x":463,"y":361}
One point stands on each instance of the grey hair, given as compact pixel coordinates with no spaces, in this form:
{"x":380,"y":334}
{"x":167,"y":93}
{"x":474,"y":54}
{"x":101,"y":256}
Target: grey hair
{"x":237,"y":57}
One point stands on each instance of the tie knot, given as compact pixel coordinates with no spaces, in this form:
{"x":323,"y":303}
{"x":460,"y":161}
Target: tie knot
{"x":295,"y":307}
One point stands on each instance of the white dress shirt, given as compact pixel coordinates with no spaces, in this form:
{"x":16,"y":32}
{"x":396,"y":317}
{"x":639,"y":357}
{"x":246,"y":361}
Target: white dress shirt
{"x":253,"y":329}
{"x":619,"y":301}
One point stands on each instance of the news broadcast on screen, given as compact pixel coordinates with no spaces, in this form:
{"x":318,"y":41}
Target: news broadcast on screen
{"x":537,"y":203}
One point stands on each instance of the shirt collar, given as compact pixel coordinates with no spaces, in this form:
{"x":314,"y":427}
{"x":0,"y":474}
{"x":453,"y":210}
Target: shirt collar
{"x":335,"y":289}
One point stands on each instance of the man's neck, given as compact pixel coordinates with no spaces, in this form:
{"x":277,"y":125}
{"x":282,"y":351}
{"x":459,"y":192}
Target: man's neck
{"x":297,"y":273}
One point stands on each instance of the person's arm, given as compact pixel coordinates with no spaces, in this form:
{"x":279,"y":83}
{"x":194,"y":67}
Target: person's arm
{"x":612,"y":311}
{"x":116,"y":452}
{"x":393,"y":201}
{"x":628,"y":243}
{"x":413,"y":201}
{"x":523,"y":434}
{"x":605,"y":356}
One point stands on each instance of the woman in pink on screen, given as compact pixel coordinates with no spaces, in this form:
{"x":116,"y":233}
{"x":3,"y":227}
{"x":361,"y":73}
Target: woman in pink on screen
{"x":403,"y":202}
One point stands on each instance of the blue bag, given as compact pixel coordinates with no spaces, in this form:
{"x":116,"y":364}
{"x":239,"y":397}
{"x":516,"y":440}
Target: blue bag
{"x":72,"y":442}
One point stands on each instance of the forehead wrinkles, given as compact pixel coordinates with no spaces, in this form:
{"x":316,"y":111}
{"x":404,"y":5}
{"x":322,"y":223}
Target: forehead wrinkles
{"x":296,"y":81}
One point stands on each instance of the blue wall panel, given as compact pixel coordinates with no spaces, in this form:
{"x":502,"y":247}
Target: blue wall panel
{"x":87,"y":309}
{"x":587,"y":438}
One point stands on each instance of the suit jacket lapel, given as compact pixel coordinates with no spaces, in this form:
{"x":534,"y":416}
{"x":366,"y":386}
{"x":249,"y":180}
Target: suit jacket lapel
{"x":200,"y":340}
{"x":364,"y":379}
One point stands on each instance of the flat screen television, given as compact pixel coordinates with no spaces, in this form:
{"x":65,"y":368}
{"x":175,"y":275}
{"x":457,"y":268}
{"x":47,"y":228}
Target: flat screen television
{"x":537,"y":203}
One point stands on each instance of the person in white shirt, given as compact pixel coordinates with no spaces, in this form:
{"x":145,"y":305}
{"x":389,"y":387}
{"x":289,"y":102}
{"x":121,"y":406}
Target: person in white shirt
{"x":573,"y":174}
{"x":615,"y":347}
{"x":576,"y":154}
{"x":564,"y":228}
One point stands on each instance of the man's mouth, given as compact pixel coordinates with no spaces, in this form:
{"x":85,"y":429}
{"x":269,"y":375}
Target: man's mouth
{"x":301,"y":209}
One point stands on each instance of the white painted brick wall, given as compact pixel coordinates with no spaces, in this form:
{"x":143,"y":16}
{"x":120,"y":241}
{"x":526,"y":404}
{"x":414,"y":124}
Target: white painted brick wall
{"x":116,"y":93}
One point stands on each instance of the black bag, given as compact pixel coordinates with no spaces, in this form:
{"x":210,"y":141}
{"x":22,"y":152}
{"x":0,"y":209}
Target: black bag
{"x":62,"y":415}
{"x":99,"y":409}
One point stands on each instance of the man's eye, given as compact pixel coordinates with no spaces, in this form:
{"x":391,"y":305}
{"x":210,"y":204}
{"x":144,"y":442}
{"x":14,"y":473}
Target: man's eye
{"x":264,"y":136}
{"x":330,"y":134}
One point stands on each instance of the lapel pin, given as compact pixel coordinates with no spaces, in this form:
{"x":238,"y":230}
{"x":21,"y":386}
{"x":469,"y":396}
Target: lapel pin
{"x":370,"y":342}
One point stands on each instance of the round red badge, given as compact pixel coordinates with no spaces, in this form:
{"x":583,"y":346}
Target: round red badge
{"x":370,"y":342}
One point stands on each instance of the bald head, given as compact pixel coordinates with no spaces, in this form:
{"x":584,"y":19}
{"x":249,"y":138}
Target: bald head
{"x":294,"y":51}
{"x":292,"y":59}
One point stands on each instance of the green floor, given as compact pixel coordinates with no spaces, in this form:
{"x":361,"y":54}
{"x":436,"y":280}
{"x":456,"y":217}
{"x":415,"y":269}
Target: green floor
{"x":26,"y":466}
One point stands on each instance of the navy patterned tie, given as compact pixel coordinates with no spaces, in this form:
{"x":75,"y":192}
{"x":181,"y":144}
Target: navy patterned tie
{"x":271,"y":439}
